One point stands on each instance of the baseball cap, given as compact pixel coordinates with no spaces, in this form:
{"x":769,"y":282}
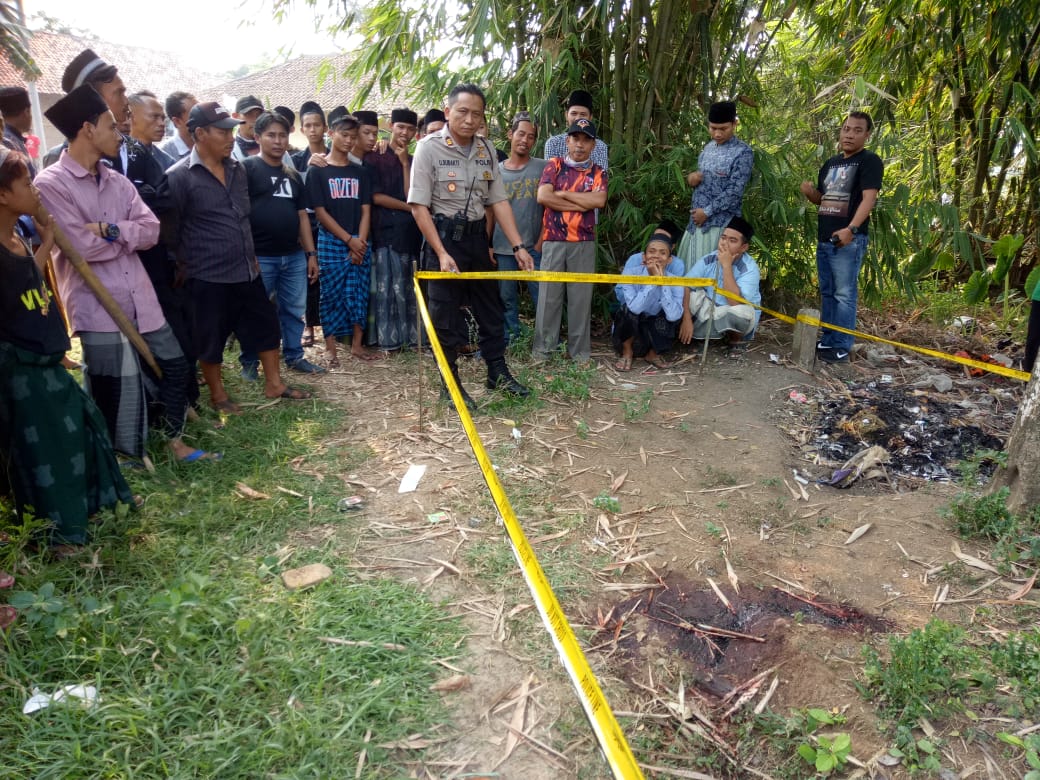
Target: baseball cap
{"x":211,"y":115}
{"x":583,"y":126}
{"x":248,"y":103}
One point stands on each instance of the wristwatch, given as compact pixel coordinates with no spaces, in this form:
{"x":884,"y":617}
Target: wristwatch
{"x":109,"y":232}
{"x":312,"y":253}
{"x":854,"y":229}
{"x":518,"y":247}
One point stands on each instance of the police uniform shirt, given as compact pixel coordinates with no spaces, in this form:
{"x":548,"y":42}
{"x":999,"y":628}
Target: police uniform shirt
{"x":442,"y":175}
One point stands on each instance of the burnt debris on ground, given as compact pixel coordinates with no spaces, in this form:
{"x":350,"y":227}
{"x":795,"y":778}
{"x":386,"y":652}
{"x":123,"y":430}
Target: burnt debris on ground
{"x":925,"y":432}
{"x":722,"y":643}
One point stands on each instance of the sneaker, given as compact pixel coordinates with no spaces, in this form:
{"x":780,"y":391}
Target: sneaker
{"x":251,"y":372}
{"x":821,"y":347}
{"x":833,"y":355}
{"x":304,"y":366}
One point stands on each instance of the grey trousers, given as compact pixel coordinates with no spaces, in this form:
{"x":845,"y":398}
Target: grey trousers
{"x":572,"y":257}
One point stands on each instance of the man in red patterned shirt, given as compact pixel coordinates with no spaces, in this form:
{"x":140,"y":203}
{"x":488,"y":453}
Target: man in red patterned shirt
{"x":571,"y":189}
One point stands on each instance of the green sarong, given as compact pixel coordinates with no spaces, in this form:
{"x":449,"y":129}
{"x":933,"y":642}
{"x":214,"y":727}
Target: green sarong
{"x":54,"y":446}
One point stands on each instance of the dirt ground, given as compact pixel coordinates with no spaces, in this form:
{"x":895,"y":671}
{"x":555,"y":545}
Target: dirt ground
{"x":701,"y":464}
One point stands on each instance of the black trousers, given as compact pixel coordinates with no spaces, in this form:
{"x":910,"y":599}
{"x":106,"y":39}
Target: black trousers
{"x":647,"y":331}
{"x":445,"y":298}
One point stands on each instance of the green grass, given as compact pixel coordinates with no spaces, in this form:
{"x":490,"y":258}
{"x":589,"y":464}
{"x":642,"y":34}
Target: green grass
{"x":206,"y":665}
{"x":1016,"y":539}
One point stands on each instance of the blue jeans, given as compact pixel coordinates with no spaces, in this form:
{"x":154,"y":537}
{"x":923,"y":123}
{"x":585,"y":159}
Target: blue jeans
{"x":838,"y":269}
{"x":509,"y":290}
{"x":285,"y":279}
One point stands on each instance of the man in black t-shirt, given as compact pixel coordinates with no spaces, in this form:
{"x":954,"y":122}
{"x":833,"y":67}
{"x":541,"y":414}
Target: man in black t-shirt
{"x":846,"y":190}
{"x":279,"y":223}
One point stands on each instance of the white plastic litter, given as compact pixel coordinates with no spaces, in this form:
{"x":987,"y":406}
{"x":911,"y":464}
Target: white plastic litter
{"x":84,"y":695}
{"x":411,"y":478}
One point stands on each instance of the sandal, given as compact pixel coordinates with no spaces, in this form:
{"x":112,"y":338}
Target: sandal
{"x":227,"y":406}
{"x":292,"y":394}
{"x":658,"y":362}
{"x":737,"y":349}
{"x":332,"y":362}
{"x":196,"y":455}
{"x":624,"y":364}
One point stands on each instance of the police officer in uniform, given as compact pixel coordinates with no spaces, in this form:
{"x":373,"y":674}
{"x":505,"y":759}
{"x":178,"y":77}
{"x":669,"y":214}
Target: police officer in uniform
{"x":454,"y":178}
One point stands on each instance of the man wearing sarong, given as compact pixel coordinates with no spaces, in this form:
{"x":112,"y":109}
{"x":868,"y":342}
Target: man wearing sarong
{"x":107,"y":222}
{"x":395,"y":236}
{"x":646,"y":323}
{"x":707,"y":313}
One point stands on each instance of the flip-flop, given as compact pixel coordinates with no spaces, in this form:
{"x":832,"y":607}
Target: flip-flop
{"x":624,"y":364}
{"x":197,"y":455}
{"x":332,"y":362}
{"x":658,"y":363}
{"x":737,"y":350}
{"x":227,"y":406}
{"x":293,"y":394}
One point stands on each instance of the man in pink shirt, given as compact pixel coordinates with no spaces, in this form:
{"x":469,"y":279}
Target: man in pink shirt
{"x":107,"y":223}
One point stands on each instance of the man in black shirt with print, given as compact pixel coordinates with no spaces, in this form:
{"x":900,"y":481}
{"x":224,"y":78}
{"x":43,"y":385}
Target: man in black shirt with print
{"x":278,"y":219}
{"x":846,"y":190}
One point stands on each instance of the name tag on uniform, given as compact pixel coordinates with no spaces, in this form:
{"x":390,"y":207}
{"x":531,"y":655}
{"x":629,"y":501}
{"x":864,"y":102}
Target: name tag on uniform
{"x":452,"y":174}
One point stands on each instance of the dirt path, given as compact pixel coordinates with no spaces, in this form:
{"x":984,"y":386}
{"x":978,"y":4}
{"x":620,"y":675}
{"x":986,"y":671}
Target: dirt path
{"x":646,"y":488}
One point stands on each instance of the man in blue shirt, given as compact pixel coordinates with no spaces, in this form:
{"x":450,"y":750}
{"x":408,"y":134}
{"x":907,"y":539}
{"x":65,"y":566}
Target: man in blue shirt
{"x":723,"y":171}
{"x":707,"y":313}
{"x":645,"y":324}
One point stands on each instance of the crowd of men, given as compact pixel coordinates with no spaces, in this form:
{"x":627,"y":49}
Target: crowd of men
{"x":223,"y":228}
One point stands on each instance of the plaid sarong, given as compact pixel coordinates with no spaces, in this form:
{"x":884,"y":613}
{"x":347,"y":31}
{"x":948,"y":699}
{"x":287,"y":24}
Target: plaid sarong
{"x":344,"y":287}
{"x":54,"y":448}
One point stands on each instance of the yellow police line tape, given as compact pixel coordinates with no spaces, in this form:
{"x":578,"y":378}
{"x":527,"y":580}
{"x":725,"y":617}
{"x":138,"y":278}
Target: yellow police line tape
{"x":608,"y":733}
{"x":680,"y":281}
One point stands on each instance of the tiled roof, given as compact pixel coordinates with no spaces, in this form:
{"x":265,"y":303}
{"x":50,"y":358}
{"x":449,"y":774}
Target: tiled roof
{"x":296,"y":81}
{"x":140,"y":68}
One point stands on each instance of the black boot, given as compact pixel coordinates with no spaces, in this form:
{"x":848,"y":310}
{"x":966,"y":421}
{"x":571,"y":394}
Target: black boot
{"x":471,"y":405}
{"x":499,"y":378}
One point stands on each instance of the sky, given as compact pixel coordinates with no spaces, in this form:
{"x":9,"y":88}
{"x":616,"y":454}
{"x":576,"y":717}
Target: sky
{"x":216,"y":35}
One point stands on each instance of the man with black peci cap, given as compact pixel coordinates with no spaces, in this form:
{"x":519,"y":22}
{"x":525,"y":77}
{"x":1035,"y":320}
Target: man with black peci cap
{"x":88,"y":68}
{"x":108,"y":223}
{"x":707,"y":313}
{"x":432,"y":121}
{"x":579,"y":106}
{"x":368,"y":135}
{"x":395,"y":236}
{"x":213,"y":242}
{"x":723,"y":171}
{"x":455,"y":177}
{"x":313,"y":127}
{"x":247,"y":109}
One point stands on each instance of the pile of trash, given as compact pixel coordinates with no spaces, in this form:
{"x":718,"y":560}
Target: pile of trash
{"x":921,"y":432}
